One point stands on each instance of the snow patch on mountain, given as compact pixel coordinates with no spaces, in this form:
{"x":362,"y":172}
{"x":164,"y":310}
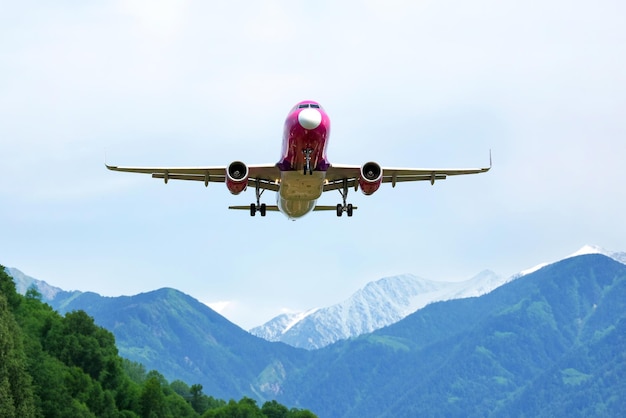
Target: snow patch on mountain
{"x":297,"y":317}
{"x":584,"y":250}
{"x":378,"y":304}
{"x":594,"y":249}
{"x":385,"y":302}
{"x":531,"y":270}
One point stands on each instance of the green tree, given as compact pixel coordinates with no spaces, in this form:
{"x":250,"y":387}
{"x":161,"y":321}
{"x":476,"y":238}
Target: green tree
{"x":7,"y":288}
{"x":33,"y":293}
{"x":199,"y":402}
{"x":300,"y":413}
{"x":135,"y":371}
{"x":273,"y":409}
{"x":245,"y":408}
{"x":152,"y":400}
{"x":181,"y":388}
{"x":16,"y":394}
{"x":78,"y":342}
{"x":178,"y":407}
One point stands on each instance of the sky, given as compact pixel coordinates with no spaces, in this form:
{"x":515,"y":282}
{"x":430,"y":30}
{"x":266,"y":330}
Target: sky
{"x":542,"y":84}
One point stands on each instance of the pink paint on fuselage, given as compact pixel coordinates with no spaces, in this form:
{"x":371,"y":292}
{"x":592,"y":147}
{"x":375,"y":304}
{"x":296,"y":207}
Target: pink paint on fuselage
{"x":296,"y":139}
{"x":307,"y":128}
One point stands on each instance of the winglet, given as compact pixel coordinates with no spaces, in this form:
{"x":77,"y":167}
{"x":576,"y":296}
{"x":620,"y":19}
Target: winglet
{"x":110,"y":167}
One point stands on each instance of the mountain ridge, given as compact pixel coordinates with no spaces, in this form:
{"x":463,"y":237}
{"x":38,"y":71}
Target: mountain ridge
{"x":377,"y":304}
{"x":384,"y":302}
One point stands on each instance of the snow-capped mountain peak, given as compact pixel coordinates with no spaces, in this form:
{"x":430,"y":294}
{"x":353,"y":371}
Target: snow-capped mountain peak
{"x":378,"y":304}
{"x":384,"y":302}
{"x":594,"y":249}
{"x":584,"y":250}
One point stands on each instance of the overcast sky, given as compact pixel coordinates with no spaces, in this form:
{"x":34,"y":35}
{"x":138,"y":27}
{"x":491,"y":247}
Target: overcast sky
{"x":406,"y":83}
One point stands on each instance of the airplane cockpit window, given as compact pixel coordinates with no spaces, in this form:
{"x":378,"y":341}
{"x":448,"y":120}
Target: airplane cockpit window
{"x":315,"y":106}
{"x":303,"y":106}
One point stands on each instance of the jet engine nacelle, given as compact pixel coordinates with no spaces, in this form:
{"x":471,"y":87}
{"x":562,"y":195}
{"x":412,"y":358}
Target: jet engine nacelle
{"x":371,"y":177}
{"x":237,"y":177}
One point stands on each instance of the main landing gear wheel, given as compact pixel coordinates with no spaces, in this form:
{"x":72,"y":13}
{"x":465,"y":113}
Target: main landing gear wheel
{"x":345,"y":207}
{"x":262,"y":209}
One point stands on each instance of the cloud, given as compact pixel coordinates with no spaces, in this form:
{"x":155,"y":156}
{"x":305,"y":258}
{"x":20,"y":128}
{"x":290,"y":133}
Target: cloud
{"x":161,"y":19}
{"x":219,"y":306}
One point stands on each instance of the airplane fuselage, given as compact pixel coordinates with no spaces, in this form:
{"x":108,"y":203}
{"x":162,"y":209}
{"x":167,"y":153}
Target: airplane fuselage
{"x":303,"y":161}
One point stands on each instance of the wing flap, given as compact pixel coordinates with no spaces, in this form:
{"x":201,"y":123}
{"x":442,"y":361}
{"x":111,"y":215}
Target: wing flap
{"x":205,"y":178}
{"x":397,"y":179}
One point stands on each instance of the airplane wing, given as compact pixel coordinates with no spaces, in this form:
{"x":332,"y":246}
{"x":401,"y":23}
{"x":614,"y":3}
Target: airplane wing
{"x":340,"y":176}
{"x":265,"y":175}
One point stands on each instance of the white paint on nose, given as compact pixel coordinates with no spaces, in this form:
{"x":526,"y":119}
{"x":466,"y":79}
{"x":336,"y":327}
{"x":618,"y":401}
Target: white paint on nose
{"x":309,"y":118}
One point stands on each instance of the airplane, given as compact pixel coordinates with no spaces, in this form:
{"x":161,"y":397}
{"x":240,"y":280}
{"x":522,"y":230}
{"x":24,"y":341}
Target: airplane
{"x":303,"y":172}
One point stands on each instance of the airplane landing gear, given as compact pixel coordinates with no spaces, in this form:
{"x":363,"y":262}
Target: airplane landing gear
{"x":345,"y":207}
{"x":261,"y":208}
{"x":307,"y":161}
{"x":258,"y":206}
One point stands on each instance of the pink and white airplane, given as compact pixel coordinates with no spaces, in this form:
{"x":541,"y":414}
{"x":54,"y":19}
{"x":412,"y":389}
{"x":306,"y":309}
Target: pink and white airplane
{"x":303,"y":172}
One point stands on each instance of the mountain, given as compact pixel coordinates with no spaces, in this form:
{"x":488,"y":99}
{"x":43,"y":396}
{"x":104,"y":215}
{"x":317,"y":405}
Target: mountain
{"x":378,"y":304}
{"x":383,"y":303}
{"x":552,"y":343}
{"x":182,"y":338}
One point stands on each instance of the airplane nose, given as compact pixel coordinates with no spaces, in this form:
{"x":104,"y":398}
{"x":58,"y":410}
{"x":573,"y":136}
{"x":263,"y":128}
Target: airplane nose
{"x":309,"y":118}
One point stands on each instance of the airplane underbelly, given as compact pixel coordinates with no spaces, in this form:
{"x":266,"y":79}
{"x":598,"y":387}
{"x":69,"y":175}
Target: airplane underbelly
{"x":295,"y":208}
{"x":295,"y":185}
{"x":298,"y":192}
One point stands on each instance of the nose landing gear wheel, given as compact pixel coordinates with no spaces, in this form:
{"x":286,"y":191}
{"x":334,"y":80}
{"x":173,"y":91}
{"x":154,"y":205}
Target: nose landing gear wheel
{"x":307,"y":161}
{"x":339,"y":210}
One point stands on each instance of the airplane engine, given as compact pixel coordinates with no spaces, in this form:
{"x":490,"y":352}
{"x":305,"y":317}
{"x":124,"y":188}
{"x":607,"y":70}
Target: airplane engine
{"x":236,"y":177}
{"x":371,"y":178}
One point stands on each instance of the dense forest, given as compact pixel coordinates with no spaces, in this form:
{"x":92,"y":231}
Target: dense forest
{"x":67,"y":366}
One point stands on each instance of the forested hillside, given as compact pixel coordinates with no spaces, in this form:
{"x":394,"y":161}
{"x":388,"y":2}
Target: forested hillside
{"x":552,"y":343}
{"x":66,"y":366}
